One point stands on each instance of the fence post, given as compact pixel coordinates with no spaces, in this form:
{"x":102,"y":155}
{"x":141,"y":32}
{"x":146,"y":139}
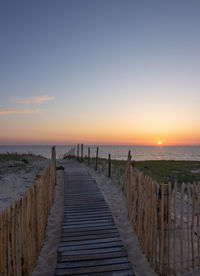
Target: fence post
{"x":109,"y":166}
{"x":81,"y":152}
{"x":88,"y":156}
{"x":96,"y":166}
{"x":163,"y":215}
{"x":192,"y":222}
{"x":53,"y":160}
{"x":77,"y":151}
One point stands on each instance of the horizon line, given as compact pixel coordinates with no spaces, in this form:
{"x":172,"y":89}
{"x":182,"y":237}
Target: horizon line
{"x":96,"y":144}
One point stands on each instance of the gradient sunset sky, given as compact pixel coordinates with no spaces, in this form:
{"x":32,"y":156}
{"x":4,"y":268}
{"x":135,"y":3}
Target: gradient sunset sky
{"x":100,"y":71}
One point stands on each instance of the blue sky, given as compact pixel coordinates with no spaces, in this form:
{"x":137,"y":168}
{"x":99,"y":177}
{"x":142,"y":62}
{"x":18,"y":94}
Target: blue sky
{"x":116,"y":71}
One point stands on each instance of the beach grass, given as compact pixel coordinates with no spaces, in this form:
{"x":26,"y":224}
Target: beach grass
{"x":162,"y":171}
{"x":15,"y":162}
{"x":5,"y":157}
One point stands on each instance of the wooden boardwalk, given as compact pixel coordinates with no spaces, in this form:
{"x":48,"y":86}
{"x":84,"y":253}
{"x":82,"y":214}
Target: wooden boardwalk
{"x":90,"y":243}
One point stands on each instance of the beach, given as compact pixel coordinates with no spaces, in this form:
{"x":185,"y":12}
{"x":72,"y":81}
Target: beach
{"x":116,"y":201}
{"x":18,"y":173}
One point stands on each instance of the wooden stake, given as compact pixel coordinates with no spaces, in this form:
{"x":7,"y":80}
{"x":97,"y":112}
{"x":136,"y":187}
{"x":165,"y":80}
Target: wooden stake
{"x":198,"y":211}
{"x":109,"y":166}
{"x":88,"y":156}
{"x":81,"y":152}
{"x":96,"y":165}
{"x":174,"y":243}
{"x":78,"y":152}
{"x":162,"y":231}
{"x":192,"y":222}
{"x":156,"y":224}
{"x":188,"y":224}
{"x":169,"y":227}
{"x":181,"y":225}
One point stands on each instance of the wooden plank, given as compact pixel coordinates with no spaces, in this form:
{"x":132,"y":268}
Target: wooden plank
{"x":106,"y":268}
{"x":90,"y":246}
{"x":90,"y":241}
{"x":88,"y":208}
{"x":68,"y":214}
{"x":89,"y":257}
{"x":69,"y":230}
{"x":89,"y":251}
{"x":89,"y":232}
{"x":79,"y":217}
{"x":89,"y":237}
{"x":126,"y":272}
{"x":86,"y":222}
{"x":86,"y":226}
{"x":107,"y":261}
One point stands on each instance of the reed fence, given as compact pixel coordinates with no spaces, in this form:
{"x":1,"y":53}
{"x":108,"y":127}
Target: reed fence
{"x":166,"y":219}
{"x":22,"y":225}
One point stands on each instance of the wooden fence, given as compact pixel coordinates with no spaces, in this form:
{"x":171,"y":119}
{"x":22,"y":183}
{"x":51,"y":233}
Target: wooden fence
{"x":166,"y":219}
{"x":22,"y":226}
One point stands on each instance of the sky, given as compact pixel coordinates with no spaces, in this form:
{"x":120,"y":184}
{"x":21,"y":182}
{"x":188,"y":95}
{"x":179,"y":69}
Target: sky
{"x":100,"y":71}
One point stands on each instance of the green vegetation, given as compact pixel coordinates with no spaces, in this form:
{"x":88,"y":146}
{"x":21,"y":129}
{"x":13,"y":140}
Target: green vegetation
{"x":5,"y":157}
{"x":14,"y":162}
{"x":162,"y":170}
{"x":159,"y":170}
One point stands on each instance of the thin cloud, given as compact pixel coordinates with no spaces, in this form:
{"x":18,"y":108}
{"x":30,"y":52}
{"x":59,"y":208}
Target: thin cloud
{"x":35,"y":100}
{"x":18,"y":111}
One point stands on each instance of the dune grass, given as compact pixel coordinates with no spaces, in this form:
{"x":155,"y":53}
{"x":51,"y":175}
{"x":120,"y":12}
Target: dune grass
{"x":159,"y":170}
{"x":163,"y":170}
{"x":14,"y":162}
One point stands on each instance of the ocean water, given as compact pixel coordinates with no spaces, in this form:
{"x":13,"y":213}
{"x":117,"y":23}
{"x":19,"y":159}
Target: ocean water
{"x":138,"y":153}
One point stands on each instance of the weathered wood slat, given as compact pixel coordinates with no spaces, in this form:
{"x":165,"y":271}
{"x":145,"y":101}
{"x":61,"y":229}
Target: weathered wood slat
{"x":84,"y":270}
{"x":88,"y":233}
{"x":90,"y":246}
{"x":88,"y":228}
{"x":85,"y":238}
{"x":80,"y":218}
{"x":106,"y":261}
{"x":126,"y":272}
{"x":85,"y":222}
{"x":91,"y":257}
{"x":90,"y":241}
{"x":89,"y":251}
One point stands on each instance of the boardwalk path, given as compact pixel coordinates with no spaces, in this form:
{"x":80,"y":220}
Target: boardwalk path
{"x":90,"y":243}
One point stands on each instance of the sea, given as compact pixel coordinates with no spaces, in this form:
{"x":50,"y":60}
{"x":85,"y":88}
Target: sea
{"x":138,"y":153}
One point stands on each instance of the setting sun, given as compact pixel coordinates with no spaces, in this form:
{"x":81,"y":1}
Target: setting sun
{"x":159,"y":143}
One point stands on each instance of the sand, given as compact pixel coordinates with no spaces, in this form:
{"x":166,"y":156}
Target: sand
{"x":16,"y":176}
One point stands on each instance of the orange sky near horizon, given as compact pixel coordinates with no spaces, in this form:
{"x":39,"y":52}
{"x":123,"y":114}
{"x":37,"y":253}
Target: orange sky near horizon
{"x":47,"y":129}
